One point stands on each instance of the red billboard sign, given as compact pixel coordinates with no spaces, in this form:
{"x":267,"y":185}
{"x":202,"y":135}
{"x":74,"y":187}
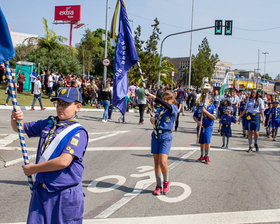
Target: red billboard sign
{"x":67,"y":13}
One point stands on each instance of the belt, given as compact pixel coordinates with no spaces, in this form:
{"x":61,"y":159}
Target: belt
{"x":44,"y":186}
{"x":163,"y":131}
{"x":254,"y":114}
{"x":226,"y":125}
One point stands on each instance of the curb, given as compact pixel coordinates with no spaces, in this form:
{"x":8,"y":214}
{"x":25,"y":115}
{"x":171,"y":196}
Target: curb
{"x":3,"y":107}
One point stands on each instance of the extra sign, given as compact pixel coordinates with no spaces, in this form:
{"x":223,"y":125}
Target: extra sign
{"x":106,"y":62}
{"x":67,"y":13}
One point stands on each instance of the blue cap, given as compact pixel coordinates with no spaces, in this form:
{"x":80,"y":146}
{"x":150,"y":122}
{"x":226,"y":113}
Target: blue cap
{"x":69,"y":95}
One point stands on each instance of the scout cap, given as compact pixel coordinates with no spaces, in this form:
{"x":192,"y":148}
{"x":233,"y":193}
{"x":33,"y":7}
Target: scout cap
{"x":69,"y":95}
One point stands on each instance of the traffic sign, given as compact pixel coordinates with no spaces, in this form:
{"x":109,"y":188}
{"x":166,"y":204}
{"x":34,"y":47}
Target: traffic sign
{"x":106,"y":62}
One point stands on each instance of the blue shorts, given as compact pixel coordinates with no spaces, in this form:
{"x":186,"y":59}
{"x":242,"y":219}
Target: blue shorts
{"x":254,"y":123}
{"x":162,"y":144}
{"x":205,"y":134}
{"x":274,"y":123}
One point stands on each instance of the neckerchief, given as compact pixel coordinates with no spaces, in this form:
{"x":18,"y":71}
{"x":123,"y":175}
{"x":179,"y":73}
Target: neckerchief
{"x":54,"y":120}
{"x":157,"y":122}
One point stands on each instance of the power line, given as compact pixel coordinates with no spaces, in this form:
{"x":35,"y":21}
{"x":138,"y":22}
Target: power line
{"x":257,"y":30}
{"x":254,"y":63}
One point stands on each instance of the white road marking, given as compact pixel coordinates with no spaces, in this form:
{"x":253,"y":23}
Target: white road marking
{"x":114,"y":133}
{"x":187,"y":192}
{"x":94,"y":189}
{"x":19,"y":160}
{"x":8,"y":139}
{"x":256,"y":216}
{"x":123,"y":201}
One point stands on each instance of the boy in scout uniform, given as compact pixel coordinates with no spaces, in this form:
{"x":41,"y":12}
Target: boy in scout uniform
{"x":57,"y":195}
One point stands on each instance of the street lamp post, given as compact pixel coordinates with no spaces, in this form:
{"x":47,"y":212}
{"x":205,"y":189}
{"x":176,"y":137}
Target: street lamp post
{"x":173,"y":34}
{"x":106,"y":42}
{"x":190,"y":61}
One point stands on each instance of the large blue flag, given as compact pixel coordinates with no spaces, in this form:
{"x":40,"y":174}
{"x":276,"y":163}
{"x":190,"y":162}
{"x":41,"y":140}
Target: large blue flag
{"x":125,"y":57}
{"x":7,"y":51}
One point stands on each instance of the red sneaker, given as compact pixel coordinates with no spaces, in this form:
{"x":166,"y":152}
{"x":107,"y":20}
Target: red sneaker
{"x":201,"y":158}
{"x":43,"y":108}
{"x":207,"y":159}
{"x":165,"y":187}
{"x":32,"y":108}
{"x":157,"y":191}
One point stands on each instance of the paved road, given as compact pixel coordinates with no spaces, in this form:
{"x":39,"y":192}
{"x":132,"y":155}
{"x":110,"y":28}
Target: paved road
{"x":236,"y":187}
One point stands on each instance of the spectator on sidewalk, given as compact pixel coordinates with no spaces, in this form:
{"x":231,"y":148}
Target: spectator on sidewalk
{"x":33,"y":77}
{"x":8,"y":91}
{"x":37,"y":93}
{"x":106,"y":98}
{"x":50,"y":85}
{"x":141,"y":99}
{"x":21,"y":80}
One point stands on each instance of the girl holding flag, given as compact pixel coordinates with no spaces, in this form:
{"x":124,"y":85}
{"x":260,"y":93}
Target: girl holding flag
{"x":162,"y":137}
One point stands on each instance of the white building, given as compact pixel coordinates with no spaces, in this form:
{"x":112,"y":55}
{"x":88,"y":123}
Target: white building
{"x":19,"y":38}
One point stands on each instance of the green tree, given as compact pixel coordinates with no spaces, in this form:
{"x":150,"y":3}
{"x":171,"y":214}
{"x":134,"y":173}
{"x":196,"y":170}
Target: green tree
{"x":266,"y":76}
{"x":203,"y":64}
{"x":51,"y":41}
{"x":91,"y":49}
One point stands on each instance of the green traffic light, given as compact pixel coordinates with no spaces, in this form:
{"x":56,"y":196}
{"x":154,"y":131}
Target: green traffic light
{"x":228,"y":31}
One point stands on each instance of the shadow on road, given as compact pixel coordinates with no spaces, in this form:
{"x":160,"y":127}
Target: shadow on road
{"x":125,"y":189}
{"x":15,"y":182}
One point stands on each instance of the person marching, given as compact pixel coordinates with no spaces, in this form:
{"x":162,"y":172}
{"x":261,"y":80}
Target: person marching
{"x":244,"y":118}
{"x":57,"y":195}
{"x":255,"y":109}
{"x":225,"y":126}
{"x":267,"y":119}
{"x":209,"y":114}
{"x":274,"y":119}
{"x":234,"y":102}
{"x":180,"y":106}
{"x":162,"y":137}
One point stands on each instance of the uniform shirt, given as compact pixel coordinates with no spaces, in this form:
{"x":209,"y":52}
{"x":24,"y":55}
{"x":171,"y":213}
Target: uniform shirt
{"x":275,"y":113}
{"x":167,"y":119}
{"x":234,"y":100}
{"x":33,"y":77}
{"x":267,"y":113}
{"x":227,"y":119}
{"x":206,"y":120}
{"x":71,"y":175}
{"x":216,"y":98}
{"x":242,"y":106}
{"x":252,"y":108}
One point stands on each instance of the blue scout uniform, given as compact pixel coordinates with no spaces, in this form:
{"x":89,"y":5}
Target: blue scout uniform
{"x":226,"y":121}
{"x":253,"y":117}
{"x":162,"y":139}
{"x":275,"y":117}
{"x":267,"y":114}
{"x":207,"y":124}
{"x":216,"y":101}
{"x":241,"y":109}
{"x":234,"y":100}
{"x":58,"y":196}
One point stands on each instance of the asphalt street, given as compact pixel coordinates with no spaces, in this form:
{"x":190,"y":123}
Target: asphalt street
{"x":236,"y":187}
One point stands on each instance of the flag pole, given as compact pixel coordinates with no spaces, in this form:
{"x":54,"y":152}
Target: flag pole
{"x":19,"y":125}
{"x":201,"y":120}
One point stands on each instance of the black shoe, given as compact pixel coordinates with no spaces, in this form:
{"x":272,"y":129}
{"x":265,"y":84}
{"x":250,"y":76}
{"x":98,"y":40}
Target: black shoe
{"x":226,"y":147}
{"x":257,"y":147}
{"x":244,"y":135}
{"x":223,"y":146}
{"x":250,"y":149}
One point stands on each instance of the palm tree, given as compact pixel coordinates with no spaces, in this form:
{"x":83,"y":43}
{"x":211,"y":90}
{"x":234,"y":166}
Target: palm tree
{"x":51,"y":41}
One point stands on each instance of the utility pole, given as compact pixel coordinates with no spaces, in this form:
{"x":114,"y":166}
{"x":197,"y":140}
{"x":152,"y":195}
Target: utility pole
{"x":258,"y":69}
{"x":83,"y":61}
{"x":265,"y":53}
{"x":190,"y":61}
{"x":106,"y":37}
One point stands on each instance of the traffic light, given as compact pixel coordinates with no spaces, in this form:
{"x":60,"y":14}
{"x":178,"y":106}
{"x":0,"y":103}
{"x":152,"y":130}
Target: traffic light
{"x":218,"y":27}
{"x":228,"y":27}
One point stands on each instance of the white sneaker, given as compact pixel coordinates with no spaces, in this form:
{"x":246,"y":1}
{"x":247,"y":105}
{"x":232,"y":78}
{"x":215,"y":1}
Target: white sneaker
{"x":104,"y":121}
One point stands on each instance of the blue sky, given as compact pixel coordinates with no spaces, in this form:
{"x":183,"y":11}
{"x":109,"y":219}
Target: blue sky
{"x":255,"y":25}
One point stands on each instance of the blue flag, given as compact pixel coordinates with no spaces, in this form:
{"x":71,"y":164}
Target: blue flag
{"x":7,"y":51}
{"x":125,"y":57}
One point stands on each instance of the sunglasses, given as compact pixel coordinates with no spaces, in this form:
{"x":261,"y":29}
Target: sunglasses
{"x":61,"y":104}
